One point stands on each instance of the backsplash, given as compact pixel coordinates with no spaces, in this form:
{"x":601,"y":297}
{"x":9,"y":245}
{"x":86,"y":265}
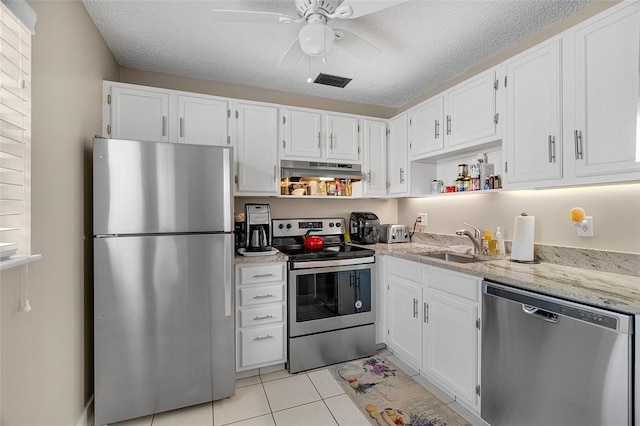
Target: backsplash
{"x":598,"y":260}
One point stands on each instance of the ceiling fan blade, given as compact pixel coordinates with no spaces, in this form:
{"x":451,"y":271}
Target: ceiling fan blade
{"x":356,"y":46}
{"x":248,"y":16}
{"x":365,"y":7}
{"x":292,"y":57}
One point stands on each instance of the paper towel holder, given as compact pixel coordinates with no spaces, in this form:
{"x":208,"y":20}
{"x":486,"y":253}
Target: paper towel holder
{"x":533,"y":260}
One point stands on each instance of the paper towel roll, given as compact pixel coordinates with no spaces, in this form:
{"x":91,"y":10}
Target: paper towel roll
{"x":523,"y":234}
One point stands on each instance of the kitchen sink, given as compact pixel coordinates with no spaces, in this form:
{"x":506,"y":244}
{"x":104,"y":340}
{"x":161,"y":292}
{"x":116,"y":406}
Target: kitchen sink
{"x":454,"y":257}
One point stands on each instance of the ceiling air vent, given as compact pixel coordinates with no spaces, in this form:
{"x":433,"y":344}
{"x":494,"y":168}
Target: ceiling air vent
{"x":331,"y":80}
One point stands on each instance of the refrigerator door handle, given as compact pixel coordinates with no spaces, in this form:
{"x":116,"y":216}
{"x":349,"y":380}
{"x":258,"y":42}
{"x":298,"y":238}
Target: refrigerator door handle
{"x":228,"y":278}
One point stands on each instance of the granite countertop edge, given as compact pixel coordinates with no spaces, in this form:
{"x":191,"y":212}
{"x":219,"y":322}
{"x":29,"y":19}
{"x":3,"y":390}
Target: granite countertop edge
{"x":601,"y":289}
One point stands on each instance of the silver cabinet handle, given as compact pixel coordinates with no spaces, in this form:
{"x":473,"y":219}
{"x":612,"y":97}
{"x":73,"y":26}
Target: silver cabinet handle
{"x":181,"y":127}
{"x":274,"y":173}
{"x":164,"y":125}
{"x":262,"y":275}
{"x":401,"y":175}
{"x":415,"y":308}
{"x":577,"y":136}
{"x":263,"y":296}
{"x":331,"y":141}
{"x":552,"y":149}
{"x":426,"y":313}
{"x":267,"y":337}
{"x":318,"y":141}
{"x":448,"y":124}
{"x":263,"y":317}
{"x":369,"y":177}
{"x":437,"y":129}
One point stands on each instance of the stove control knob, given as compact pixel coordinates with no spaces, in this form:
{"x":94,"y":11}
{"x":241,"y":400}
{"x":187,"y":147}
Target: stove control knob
{"x":331,"y":225}
{"x":288,"y":226}
{"x":337,"y":224}
{"x":281,"y":226}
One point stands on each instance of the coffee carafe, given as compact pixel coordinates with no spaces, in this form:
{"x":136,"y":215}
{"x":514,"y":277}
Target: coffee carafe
{"x":258,"y":227}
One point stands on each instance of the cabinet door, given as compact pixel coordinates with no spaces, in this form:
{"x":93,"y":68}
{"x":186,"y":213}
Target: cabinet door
{"x":533,"y":141}
{"x":426,"y":128}
{"x":343,"y":138}
{"x":451,"y":343}
{"x":301,"y":134}
{"x":471,"y":109}
{"x":404,"y":325}
{"x":607,"y":53}
{"x":257,"y":151}
{"x":375,"y":148}
{"x":139,"y":114}
{"x":397,"y":160}
{"x":203,"y":121}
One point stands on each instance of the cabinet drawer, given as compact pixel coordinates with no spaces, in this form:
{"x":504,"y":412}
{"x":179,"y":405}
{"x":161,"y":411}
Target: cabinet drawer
{"x":457,"y":284}
{"x":404,"y":269}
{"x":263,"y":315}
{"x":262,"y":345}
{"x":260,"y":273}
{"x":262,"y":294}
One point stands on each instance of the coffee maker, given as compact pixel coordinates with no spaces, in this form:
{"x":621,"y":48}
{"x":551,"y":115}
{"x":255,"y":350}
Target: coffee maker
{"x":364,"y":228}
{"x":258,"y":227}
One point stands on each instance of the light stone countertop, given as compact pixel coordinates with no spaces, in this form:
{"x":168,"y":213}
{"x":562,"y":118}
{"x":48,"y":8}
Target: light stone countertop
{"x":603,"y":289}
{"x":278,"y":257}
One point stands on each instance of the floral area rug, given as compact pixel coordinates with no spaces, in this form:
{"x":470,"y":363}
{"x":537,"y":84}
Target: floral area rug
{"x":389,"y":397}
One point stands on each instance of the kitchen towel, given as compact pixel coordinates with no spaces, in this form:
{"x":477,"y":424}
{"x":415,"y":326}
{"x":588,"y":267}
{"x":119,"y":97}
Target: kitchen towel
{"x":523,"y":234}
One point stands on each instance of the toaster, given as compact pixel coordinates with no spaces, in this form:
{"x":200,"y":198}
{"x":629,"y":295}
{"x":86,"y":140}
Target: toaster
{"x":394,"y":234}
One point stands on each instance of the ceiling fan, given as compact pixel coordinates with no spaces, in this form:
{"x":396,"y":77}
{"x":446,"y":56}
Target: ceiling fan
{"x":316,"y":38}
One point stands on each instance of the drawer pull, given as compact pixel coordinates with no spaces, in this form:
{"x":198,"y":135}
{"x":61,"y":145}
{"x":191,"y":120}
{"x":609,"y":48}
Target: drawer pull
{"x":267,"y":337}
{"x":263,"y":296}
{"x":259,"y":317}
{"x":262,"y":275}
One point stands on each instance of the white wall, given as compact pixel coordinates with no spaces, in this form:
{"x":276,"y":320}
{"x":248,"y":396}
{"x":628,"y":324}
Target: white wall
{"x":615,"y":210}
{"x":47,"y":353}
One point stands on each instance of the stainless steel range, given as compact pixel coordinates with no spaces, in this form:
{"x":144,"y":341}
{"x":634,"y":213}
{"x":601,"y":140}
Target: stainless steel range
{"x":330,"y":303}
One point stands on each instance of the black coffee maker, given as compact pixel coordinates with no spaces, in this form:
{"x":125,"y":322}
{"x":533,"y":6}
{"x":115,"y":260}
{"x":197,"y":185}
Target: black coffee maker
{"x":258,"y":227}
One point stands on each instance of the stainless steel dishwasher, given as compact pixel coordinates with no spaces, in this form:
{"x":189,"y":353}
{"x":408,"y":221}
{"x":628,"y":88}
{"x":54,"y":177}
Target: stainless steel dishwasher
{"x":548,"y":361}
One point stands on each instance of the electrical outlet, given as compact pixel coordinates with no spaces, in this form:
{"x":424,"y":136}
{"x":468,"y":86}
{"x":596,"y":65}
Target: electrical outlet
{"x":422,"y":222}
{"x":585,"y":228}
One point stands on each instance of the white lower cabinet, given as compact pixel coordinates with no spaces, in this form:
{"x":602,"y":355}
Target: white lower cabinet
{"x":260,"y":315}
{"x":433,"y":320}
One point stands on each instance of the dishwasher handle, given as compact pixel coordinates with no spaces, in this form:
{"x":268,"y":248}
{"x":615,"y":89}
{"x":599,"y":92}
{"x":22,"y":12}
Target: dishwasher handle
{"x":540,"y":314}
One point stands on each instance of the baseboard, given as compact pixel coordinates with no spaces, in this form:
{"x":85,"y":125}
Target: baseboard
{"x":87,"y":418}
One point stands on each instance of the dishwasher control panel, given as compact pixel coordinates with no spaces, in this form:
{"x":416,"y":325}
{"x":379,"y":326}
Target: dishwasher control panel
{"x":589,"y":316}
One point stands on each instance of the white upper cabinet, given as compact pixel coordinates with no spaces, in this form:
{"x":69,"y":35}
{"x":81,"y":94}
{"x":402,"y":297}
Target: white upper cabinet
{"x":375,"y":147}
{"x":606,"y":87}
{"x":533,"y":137}
{"x":397,"y":160}
{"x":302,"y":133}
{"x":425,"y":128}
{"x":257,"y":149}
{"x":203,"y":120}
{"x":342,"y":137}
{"x":162,"y":115}
{"x":471,"y":110}
{"x":137,"y":113}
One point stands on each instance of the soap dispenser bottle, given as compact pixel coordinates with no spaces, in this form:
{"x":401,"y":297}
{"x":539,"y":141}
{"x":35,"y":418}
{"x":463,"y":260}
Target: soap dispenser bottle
{"x":487,"y":243}
{"x":501,"y":251}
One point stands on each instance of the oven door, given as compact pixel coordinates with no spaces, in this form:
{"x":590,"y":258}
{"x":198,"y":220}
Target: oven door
{"x":331,"y":298}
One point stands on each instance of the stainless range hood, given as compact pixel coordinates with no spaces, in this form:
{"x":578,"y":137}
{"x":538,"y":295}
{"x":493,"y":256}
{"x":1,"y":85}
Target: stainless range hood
{"x":299,"y":169}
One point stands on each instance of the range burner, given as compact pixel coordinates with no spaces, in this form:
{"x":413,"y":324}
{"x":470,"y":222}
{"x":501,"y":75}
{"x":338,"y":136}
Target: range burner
{"x":288,"y":238}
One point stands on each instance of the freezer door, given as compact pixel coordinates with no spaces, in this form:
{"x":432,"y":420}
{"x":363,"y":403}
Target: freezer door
{"x":155,"y":187}
{"x":164,"y":324}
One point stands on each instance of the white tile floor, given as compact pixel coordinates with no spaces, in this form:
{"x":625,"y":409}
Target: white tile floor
{"x":312,"y":398}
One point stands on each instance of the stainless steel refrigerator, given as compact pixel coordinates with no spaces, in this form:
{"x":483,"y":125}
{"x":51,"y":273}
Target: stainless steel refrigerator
{"x":163,"y":274}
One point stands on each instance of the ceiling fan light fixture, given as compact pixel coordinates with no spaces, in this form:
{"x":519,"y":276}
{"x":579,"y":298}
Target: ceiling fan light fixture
{"x":316,"y":38}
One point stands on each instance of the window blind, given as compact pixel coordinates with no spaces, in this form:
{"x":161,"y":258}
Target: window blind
{"x":15,"y":133}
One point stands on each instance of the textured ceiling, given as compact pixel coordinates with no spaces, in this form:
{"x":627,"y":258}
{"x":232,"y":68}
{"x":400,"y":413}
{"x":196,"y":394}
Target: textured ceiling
{"x":424,"y":43}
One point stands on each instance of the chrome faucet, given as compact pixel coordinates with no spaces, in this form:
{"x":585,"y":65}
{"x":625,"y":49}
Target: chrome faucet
{"x":476,"y":238}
